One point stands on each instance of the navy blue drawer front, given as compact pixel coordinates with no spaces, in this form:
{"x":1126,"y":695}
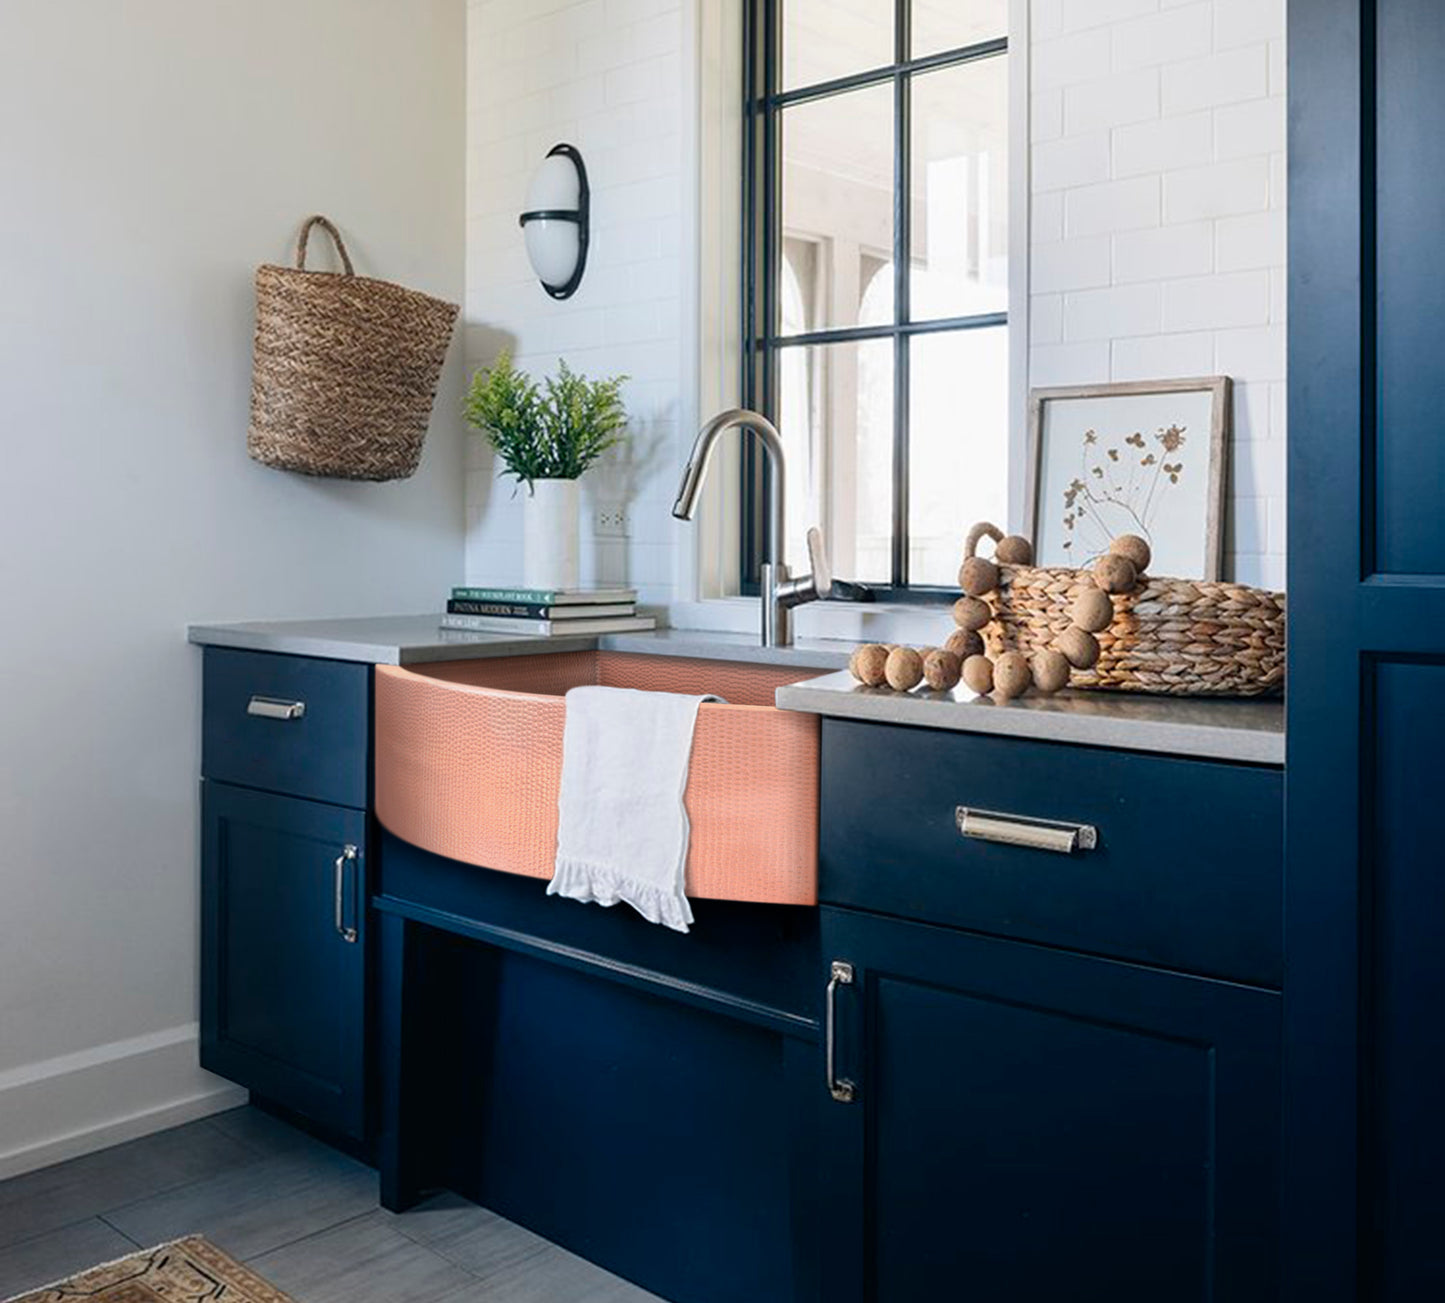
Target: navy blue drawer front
{"x":323,"y":754}
{"x":1187,"y":872}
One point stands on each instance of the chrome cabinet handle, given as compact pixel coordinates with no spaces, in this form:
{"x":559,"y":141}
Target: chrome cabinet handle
{"x":840,"y":1089}
{"x":347,"y":856}
{"x":275,"y":708}
{"x":1017,"y":830}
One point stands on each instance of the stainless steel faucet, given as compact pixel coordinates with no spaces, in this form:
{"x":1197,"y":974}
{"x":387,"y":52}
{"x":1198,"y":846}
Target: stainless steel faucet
{"x":780,"y":593}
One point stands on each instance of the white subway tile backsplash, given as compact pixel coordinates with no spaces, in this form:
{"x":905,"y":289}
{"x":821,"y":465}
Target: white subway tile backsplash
{"x":1068,"y":364}
{"x":1071,"y":161}
{"x":1046,"y":218}
{"x":1079,"y":14}
{"x":1252,"y":241}
{"x":1217,"y":302}
{"x":1251,"y":353}
{"x":1216,"y":79}
{"x":1164,"y":253}
{"x":1108,"y":314}
{"x":1069,"y":60}
{"x":1185,"y":32}
{"x":1046,"y":115}
{"x":1251,"y":409}
{"x":1160,"y":357}
{"x":1217,"y":190}
{"x":1254,"y":127}
{"x":1046,"y":319}
{"x":1112,"y":101}
{"x":1247,"y":22}
{"x":1112,"y":206}
{"x":1163,"y":144}
{"x":1071,"y":265}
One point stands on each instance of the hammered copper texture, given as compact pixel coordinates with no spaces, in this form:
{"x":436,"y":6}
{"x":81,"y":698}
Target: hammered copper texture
{"x":469,"y":762}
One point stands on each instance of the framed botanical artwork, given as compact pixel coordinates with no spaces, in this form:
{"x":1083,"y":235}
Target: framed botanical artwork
{"x":1145,"y":457}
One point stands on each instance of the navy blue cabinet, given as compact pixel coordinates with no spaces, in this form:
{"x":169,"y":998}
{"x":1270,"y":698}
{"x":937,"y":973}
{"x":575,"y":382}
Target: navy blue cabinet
{"x":283,"y":941}
{"x":1020,"y":1123}
{"x":284,"y":882}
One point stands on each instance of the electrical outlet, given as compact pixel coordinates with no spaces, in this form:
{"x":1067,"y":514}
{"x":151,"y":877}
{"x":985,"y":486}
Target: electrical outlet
{"x":611,"y":522}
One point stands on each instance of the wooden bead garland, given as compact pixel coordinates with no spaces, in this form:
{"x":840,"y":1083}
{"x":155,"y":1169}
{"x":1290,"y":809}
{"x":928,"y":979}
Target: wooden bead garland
{"x":1116,"y":573}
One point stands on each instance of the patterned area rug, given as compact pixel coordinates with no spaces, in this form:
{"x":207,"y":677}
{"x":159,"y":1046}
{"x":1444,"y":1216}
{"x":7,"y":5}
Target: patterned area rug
{"x":188,"y":1271}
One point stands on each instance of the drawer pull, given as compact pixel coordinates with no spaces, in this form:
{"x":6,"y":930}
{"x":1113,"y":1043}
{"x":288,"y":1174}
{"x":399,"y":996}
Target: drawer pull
{"x":276,"y":708}
{"x":1015,"y":830}
{"x":345,"y":932}
{"x":841,"y":974}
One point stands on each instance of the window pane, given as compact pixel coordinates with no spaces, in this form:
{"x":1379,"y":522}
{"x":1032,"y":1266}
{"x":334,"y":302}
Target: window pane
{"x":835,"y":413}
{"x":958,"y":440}
{"x":826,"y":39}
{"x":838,"y":198}
{"x":952,"y":24}
{"x":959,"y":201}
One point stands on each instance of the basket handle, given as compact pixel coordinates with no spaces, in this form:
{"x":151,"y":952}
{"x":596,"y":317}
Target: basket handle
{"x":336,"y":239}
{"x":981,"y":530}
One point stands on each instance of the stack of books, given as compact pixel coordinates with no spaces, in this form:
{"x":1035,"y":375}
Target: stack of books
{"x":545,"y":612}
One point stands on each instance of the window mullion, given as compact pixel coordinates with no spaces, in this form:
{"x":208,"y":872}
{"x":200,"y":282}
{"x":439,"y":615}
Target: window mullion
{"x":902,"y":241}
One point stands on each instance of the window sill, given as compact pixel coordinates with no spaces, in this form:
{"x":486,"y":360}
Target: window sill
{"x":839,"y":621}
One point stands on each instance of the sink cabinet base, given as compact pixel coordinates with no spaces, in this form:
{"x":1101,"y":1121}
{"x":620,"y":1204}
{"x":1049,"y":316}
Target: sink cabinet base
{"x":657,"y":1122}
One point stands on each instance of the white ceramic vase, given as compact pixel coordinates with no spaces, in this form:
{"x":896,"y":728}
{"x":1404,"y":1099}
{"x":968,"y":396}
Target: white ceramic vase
{"x":549,"y":535}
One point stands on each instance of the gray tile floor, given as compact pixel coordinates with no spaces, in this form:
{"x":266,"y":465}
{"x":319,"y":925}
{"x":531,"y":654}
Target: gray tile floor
{"x":301,"y":1214}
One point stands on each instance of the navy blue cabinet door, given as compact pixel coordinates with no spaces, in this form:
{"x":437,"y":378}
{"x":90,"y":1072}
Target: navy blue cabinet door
{"x":1029,"y":1124}
{"x":283,"y":942}
{"x":1364,"y":886}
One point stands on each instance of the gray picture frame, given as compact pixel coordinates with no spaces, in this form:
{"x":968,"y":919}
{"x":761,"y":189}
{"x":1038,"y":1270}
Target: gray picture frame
{"x":1217,"y":476}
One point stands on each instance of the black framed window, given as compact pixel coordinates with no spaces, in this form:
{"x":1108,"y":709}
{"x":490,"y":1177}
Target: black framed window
{"x":875,"y":278}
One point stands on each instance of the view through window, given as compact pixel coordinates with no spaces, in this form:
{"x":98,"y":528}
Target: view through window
{"x":876,"y":278}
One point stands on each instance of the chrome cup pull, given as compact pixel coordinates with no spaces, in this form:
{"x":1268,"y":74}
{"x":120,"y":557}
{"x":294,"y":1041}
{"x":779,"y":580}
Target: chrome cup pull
{"x":1018,"y":830}
{"x":840,"y":1089}
{"x":276,"y":708}
{"x":346,"y":933}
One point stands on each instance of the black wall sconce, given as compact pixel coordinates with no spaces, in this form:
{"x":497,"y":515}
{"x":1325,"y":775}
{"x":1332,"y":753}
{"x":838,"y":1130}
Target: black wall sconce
{"x":555,"y":223}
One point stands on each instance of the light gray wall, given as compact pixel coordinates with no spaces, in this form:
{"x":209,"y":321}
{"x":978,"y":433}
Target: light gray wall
{"x":152,"y":152}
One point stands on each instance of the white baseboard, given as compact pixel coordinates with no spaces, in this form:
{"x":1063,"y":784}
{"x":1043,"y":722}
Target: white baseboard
{"x":77,"y":1103}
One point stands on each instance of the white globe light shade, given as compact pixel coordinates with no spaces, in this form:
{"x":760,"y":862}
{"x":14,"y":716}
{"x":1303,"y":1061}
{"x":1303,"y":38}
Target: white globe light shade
{"x":552,"y":249}
{"x":555,"y":185}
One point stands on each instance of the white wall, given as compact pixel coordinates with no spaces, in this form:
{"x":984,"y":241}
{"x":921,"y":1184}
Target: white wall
{"x":152,"y":153}
{"x":616,"y":78}
{"x":1158,"y":225}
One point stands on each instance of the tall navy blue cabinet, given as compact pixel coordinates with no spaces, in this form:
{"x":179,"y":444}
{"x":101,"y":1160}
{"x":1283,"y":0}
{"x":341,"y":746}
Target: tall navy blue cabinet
{"x":1365,"y":877}
{"x":283,"y":882}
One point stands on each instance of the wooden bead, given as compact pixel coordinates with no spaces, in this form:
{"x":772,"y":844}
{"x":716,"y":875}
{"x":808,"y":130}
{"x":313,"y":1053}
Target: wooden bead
{"x":1015,"y":550}
{"x":868,"y":663}
{"x":1092,"y":611}
{"x":1051,"y":670}
{"x":971,"y":613}
{"x":977,"y":576}
{"x":1011,"y":675}
{"x":978,"y":675}
{"x":904,"y":669}
{"x":1134,"y":549}
{"x":1080,"y":647}
{"x":941,"y":670}
{"x":964,"y":643}
{"x":1115,"y":574}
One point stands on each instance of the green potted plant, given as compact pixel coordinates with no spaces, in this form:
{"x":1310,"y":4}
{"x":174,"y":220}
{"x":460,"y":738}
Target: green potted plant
{"x":547,"y":436}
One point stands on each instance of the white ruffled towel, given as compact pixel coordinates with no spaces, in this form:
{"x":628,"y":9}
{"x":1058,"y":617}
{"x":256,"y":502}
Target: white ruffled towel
{"x":622,"y":829}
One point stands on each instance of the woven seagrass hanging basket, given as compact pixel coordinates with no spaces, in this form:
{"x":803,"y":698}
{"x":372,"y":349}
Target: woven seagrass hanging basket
{"x":345,"y":369}
{"x":1181,"y":637}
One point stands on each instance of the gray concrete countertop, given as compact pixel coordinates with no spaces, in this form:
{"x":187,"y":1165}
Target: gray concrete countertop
{"x":420,"y":639}
{"x":1218,"y":729}
{"x":1248,"y":731}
